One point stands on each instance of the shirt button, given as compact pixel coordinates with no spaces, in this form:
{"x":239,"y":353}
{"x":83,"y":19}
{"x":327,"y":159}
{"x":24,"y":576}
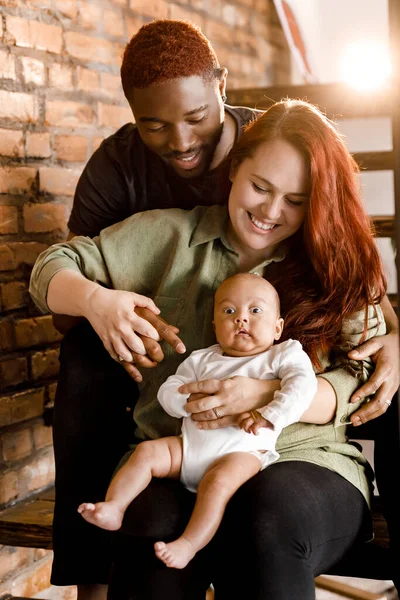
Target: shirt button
{"x":343,"y":419}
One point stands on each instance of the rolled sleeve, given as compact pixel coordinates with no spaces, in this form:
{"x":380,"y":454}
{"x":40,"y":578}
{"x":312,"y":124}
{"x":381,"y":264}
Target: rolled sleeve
{"x":346,"y":375}
{"x":81,"y":255}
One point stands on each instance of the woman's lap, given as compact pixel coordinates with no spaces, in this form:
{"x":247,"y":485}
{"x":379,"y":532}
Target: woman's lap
{"x":288,"y":524}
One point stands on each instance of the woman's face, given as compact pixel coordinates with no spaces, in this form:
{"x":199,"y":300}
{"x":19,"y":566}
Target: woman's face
{"x":268,"y":199}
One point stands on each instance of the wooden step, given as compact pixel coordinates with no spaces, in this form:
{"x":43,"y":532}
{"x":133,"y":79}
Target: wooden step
{"x":29,"y":523}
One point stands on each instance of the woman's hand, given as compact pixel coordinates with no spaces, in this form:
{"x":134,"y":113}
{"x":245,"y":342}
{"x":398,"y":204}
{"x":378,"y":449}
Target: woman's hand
{"x":384,"y":351}
{"x":112,"y":315}
{"x":216,"y":403}
{"x":154,"y":353}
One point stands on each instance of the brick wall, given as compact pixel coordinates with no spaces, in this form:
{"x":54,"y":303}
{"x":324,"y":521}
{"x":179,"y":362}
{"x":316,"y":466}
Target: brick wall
{"x":60,"y":96}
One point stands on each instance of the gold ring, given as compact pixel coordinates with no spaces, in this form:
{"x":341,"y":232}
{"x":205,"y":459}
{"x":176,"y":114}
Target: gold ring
{"x":216,"y":413}
{"x":121,"y":358}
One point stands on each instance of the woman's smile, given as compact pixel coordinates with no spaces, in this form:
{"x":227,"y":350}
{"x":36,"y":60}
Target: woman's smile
{"x":260,"y":224}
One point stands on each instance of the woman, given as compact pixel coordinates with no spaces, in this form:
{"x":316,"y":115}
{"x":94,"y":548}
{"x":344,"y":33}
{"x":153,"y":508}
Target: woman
{"x":294,"y":216}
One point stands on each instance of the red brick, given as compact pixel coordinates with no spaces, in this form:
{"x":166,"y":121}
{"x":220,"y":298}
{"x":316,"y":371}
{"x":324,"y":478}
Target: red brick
{"x":12,"y":559}
{"x":60,"y":76}
{"x":71,"y":147}
{"x":5,"y":411}
{"x":68,"y":114}
{"x":36,"y":581}
{"x":88,"y":80}
{"x":96,"y":141}
{"x":23,"y":253}
{"x":68,"y":8}
{"x":7,"y":65}
{"x":34,"y":34}
{"x":16,"y":445}
{"x":8,"y":219}
{"x":7,"y":259}
{"x":113,"y":23}
{"x":180,"y":12}
{"x":39,"y":473}
{"x":110,"y":85}
{"x":39,"y":553}
{"x":33,"y":332}
{"x":90,"y":15}
{"x":113,"y":116}
{"x":14,"y":295}
{"x":133,"y":25}
{"x":6,"y":334}
{"x":18,"y":107}
{"x":25,"y":405}
{"x":16,"y":180}
{"x":158,"y":9}
{"x":58,"y":181}
{"x":51,"y":390}
{"x":13,"y":372}
{"x":219,"y":33}
{"x":42,"y":218}
{"x":118,"y":54}
{"x":33,"y":70}
{"x":11,"y":142}
{"x":89,"y":48}
{"x":8,"y":486}
{"x":38,"y":145}
{"x":45,"y":364}
{"x":43,"y":436}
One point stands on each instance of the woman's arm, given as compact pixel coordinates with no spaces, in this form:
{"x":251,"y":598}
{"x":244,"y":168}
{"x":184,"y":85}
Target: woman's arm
{"x":384,"y":382}
{"x":238,"y":395}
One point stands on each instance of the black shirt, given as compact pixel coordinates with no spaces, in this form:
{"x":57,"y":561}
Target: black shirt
{"x":124,"y":177}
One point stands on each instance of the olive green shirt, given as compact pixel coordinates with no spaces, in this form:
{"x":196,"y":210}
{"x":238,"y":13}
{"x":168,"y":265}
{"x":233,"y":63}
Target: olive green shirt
{"x":179,"y":258}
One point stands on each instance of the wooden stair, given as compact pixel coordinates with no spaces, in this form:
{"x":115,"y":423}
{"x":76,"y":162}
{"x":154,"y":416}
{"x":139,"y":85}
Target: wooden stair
{"x":29,"y":523}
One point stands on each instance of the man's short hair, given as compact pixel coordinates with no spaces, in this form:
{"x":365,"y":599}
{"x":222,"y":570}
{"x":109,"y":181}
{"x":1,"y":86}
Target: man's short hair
{"x":164,"y":50}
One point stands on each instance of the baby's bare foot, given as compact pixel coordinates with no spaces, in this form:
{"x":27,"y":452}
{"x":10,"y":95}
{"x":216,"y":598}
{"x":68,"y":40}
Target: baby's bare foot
{"x":106,"y":515}
{"x":176,"y":554}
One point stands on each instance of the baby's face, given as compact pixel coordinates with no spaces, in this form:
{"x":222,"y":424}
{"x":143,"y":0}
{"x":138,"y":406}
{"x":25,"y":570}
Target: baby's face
{"x":246,"y":316}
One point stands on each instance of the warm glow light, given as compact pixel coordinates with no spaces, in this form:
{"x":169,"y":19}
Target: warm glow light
{"x":366,"y":65}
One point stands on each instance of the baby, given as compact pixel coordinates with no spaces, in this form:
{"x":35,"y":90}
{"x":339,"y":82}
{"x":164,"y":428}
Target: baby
{"x":215,"y":463}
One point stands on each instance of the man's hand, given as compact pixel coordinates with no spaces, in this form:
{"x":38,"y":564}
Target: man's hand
{"x":383,"y":384}
{"x":154,"y":353}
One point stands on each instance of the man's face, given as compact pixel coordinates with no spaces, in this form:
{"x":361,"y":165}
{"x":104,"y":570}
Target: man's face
{"x":181,"y":120}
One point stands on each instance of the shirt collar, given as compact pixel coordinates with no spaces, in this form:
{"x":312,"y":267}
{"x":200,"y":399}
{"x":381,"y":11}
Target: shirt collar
{"x":214,"y":224}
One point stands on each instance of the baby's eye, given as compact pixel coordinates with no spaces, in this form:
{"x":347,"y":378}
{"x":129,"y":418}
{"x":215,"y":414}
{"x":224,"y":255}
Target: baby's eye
{"x":256,"y":310}
{"x":229,"y":311}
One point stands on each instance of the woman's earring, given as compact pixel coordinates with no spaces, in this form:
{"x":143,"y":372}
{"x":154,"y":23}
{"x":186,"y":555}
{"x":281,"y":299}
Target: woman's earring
{"x":224,"y":98}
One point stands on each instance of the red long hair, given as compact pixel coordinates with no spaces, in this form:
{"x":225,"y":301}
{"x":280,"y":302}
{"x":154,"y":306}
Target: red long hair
{"x":333,"y":267}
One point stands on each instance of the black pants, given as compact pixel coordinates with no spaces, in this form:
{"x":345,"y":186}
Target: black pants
{"x":92,"y":430}
{"x":286,"y":525}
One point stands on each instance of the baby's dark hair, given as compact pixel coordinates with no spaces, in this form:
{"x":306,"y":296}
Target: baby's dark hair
{"x":164,"y":50}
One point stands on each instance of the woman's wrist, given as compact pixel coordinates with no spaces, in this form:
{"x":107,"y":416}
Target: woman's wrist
{"x":264,"y":392}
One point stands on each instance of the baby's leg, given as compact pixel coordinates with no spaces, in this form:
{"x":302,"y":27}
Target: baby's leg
{"x":217,"y":487}
{"x":155,"y":458}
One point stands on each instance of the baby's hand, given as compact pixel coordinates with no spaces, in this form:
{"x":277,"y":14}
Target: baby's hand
{"x":252,"y":422}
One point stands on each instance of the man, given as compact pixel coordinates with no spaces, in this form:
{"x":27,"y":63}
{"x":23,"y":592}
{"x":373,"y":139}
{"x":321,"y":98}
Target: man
{"x":172,"y":157}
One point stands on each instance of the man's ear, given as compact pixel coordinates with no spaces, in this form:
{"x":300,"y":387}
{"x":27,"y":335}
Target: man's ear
{"x":278,"y":328}
{"x":222,"y":81}
{"x":213,"y":326}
